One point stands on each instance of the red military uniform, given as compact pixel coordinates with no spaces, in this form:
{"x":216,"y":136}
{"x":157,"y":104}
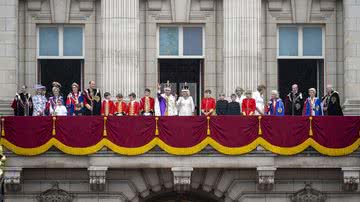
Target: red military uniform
{"x":133,"y":108}
{"x":208,"y":104}
{"x":120,"y":108}
{"x":147,"y":105}
{"x":248,"y":106}
{"x":107,"y":108}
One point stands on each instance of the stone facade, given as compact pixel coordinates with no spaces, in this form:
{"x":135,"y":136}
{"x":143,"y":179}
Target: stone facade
{"x":127,"y":60}
{"x":121,"y":53}
{"x":258,"y":176}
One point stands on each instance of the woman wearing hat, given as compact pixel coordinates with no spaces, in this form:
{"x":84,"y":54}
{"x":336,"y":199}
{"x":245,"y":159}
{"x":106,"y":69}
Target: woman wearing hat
{"x":185,"y":103}
{"x":54,"y":100}
{"x":75,"y":101}
{"x":39,"y":101}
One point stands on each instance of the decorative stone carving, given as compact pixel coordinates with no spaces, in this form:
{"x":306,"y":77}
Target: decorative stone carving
{"x":308,"y":194}
{"x":86,"y":5}
{"x":266,"y":178}
{"x":275,"y":5}
{"x":154,"y":5}
{"x":207,"y":5}
{"x":351,"y":178}
{"x":34,"y":5}
{"x":327,"y":5}
{"x":60,"y":11}
{"x":180,"y":10}
{"x":55,"y":194}
{"x":301,"y":11}
{"x":182,"y":178}
{"x":97,"y":178}
{"x":12,"y":179}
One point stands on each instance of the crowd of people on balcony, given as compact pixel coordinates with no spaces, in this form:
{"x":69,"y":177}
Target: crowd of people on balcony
{"x":245,"y":103}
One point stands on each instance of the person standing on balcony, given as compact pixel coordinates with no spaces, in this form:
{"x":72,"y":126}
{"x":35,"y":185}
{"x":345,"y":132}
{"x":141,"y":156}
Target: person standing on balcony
{"x":259,"y":99}
{"x":75,"y":101}
{"x":239,"y":95}
{"x":331,"y":102}
{"x":185,"y":103}
{"x":221,"y":105}
{"x":54,"y":100}
{"x":165,"y":104}
{"x":234,"y":106}
{"x":92,"y":102}
{"x":133,"y":107}
{"x":22,"y":103}
{"x":249,"y":104}
{"x":312,"y":106}
{"x":294,"y":102}
{"x":39,"y":101}
{"x":275,"y":105}
{"x":208,"y":104}
{"x":120,"y":105}
{"x":107,"y":107}
{"x":147,"y":104}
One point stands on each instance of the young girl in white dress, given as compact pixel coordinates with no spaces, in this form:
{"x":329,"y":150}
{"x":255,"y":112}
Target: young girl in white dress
{"x":185,"y":103}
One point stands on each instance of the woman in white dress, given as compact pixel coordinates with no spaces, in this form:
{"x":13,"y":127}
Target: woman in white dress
{"x":185,"y":103}
{"x":259,"y":98}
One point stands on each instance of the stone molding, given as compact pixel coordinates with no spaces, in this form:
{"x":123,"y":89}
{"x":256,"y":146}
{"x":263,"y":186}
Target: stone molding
{"x":97,"y":178}
{"x":265,"y":178}
{"x":351,"y":178}
{"x":182,"y":178}
{"x":12,"y":179}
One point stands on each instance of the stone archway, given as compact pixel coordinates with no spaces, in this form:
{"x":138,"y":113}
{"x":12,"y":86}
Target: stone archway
{"x":188,"y":196}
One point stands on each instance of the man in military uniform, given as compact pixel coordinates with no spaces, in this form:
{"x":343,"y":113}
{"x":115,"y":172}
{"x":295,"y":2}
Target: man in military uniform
{"x":294,"y":102}
{"x":331,"y":102}
{"x":92,"y":100}
{"x":22,"y":103}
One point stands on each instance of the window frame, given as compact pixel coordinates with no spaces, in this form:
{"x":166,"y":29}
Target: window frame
{"x":300,"y":55}
{"x":181,"y":42}
{"x":60,"y":42}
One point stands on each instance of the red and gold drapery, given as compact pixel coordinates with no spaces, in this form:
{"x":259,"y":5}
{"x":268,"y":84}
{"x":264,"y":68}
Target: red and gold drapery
{"x":232,"y":135}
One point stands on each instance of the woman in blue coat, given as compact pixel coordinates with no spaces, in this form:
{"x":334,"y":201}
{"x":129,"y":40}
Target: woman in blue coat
{"x":275,"y":105}
{"x":312,"y":106}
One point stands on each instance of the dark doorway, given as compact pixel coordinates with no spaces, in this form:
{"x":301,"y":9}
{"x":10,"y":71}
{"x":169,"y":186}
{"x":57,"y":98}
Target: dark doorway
{"x":63,"y":71}
{"x":307,"y":73}
{"x":179,"y":71}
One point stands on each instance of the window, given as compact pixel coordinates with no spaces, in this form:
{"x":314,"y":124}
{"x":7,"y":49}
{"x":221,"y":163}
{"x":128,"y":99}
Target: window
{"x":49,"y":38}
{"x":288,"y":41}
{"x":300,"y":41}
{"x":63,"y":41}
{"x":181,"y":41}
{"x":312,"y":41}
{"x":169,"y":41}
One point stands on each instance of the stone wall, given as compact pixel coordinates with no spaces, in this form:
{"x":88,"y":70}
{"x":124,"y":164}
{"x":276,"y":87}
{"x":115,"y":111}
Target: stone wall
{"x":8,"y":48}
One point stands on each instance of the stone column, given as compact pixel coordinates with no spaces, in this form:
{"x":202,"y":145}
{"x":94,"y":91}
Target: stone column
{"x":8,"y":48}
{"x":241,"y":44}
{"x":120,"y":44}
{"x":352,"y":56}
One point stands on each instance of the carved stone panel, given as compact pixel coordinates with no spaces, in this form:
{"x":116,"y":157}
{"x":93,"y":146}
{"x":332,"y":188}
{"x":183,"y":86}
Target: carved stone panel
{"x":308,"y":194}
{"x":55,"y":194}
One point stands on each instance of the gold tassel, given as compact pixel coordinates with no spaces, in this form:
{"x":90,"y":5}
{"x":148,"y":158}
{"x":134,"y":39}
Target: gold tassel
{"x":2,"y":127}
{"x":260,"y":130}
{"x":54,"y":124}
{"x":310,"y":130}
{"x":156,"y":126}
{"x":208,"y":125}
{"x":105,"y":132}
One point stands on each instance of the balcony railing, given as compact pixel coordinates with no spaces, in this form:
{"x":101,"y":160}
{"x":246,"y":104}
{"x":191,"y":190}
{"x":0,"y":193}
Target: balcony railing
{"x":231,"y":135}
